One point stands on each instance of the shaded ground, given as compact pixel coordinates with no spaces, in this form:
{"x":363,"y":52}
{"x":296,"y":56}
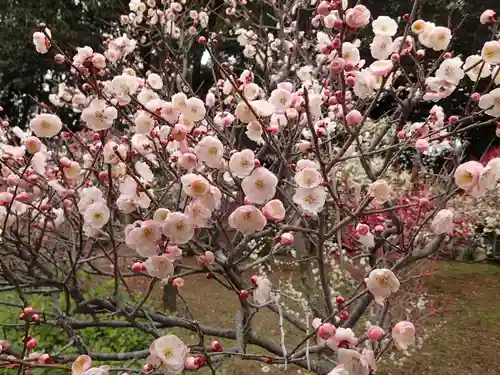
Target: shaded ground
{"x":467,"y":340}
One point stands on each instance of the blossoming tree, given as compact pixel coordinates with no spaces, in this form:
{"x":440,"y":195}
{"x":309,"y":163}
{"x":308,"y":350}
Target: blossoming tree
{"x":281,"y":158}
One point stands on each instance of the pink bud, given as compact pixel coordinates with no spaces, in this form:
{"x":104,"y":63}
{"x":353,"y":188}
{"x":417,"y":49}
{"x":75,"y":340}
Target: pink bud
{"x":305,"y":147}
{"x":44,"y":358}
{"x":5,"y":124}
{"x":216,"y":346}
{"x":453,"y":119}
{"x":202,"y":40}
{"x":22,"y":197}
{"x":379,"y":228}
{"x":337,"y":65}
{"x":421,"y":53}
{"x":344,"y":315}
{"x":209,"y":257}
{"x":137,"y":267}
{"x":254,"y":279}
{"x":59,"y":59}
{"x":375,"y":333}
{"x":475,"y":96}
{"x":324,"y":8}
{"x":68,"y":203}
{"x":338,"y":24}
{"x":336,"y":43}
{"x":147,"y":367}
{"x":320,"y":132}
{"x":350,"y":81}
{"x":256,"y":163}
{"x":243,"y":294}
{"x":326,"y":330}
{"x":362,"y":229}
{"x":488,"y":17}
{"x":247,"y":201}
{"x":190,"y":364}
{"x":423,"y":202}
{"x":28,"y":310}
{"x":96,"y":137}
{"x":395,"y":57}
{"x":401,"y":134}
{"x":178,"y":282}
{"x":447,"y":55}
{"x":35,"y":318}
{"x":422,"y":145}
{"x":349,"y":66}
{"x":340,"y":300}
{"x":286,"y":239}
{"x":31,"y":344}
{"x":353,"y":118}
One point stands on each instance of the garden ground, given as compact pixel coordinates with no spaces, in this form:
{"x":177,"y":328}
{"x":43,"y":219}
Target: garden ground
{"x":466,"y":337}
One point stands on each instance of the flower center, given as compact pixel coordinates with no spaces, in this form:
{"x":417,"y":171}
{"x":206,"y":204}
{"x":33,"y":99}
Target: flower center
{"x":148,"y":232}
{"x":98,"y":215}
{"x":45,"y":125}
{"x":180,"y":226}
{"x":259,"y":184}
{"x":497,"y":101}
{"x":198,"y":188}
{"x":212,"y":151}
{"x":168,"y":352}
{"x":383,"y":281}
{"x":309,"y":199}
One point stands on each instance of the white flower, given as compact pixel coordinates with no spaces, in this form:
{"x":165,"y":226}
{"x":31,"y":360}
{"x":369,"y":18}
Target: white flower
{"x":144,"y":122}
{"x":451,"y":71}
{"x":247,"y":219}
{"x":380,"y":191}
{"x":198,"y":213}
{"x":491,"y":52}
{"x":96,"y":215}
{"x":210,"y":150}
{"x":365,"y":83}
{"x":144,"y":171}
{"x":418,"y":26}
{"x":439,"y":38}
{"x":306,"y":163}
{"x":251,"y":91}
{"x":352,"y":362}
{"x":123,"y":86}
{"x":161,"y":215}
{"x":98,"y":115}
{"x":281,"y":100}
{"x":381,"y":283}
{"x":178,"y":228}
{"x":491,"y":101}
{"x":194,"y":109}
{"x":308,"y":178}
{"x":381,"y":47}
{"x":169,"y":352}
{"x":261,"y":108}
{"x":262,"y":292}
{"x":72,"y":170}
{"x":155,"y":81}
{"x":424,"y":36}
{"x":254,"y":132}
{"x":89,"y":196}
{"x":179,"y":101}
{"x":357,"y":17}
{"x":443,"y":222}
{"x":384,"y":26}
{"x":310,"y":200}
{"x":260,"y":185}
{"x":131,"y":196}
{"x":475,"y":68}
{"x":350,"y":53}
{"x":159,"y":266}
{"x":195,"y":185}
{"x":242,"y":163}
{"x":46,"y":125}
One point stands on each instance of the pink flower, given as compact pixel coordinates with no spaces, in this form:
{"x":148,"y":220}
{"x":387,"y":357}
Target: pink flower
{"x":488,"y":17}
{"x":178,"y":228}
{"x":159,"y":266}
{"x":247,"y":219}
{"x":242,"y":163}
{"x":262,"y":292}
{"x":353,"y":118}
{"x":375,"y":333}
{"x":467,"y":175}
{"x":403,"y":334}
{"x":178,"y":282}
{"x":353,"y":362}
{"x":443,"y":222}
{"x":357,"y":17}
{"x":260,"y":186}
{"x":308,"y":178}
{"x":210,"y":150}
{"x":169,"y":352}
{"x":380,"y":191}
{"x":274,"y":210}
{"x":172,"y":253}
{"x":381,"y":283}
{"x":81,"y":364}
{"x":143,"y":238}
{"x":286,"y":239}
{"x":209,"y":257}
{"x":422,"y":145}
{"x":326,"y":330}
{"x":344,"y":337}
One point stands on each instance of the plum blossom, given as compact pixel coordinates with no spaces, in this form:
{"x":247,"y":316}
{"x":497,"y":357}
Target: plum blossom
{"x":451,"y":71}
{"x":475,"y":68}
{"x":443,"y":222}
{"x":247,"y":219}
{"x":380,"y":191}
{"x":357,"y":17}
{"x":262,"y":292}
{"x":41,"y":42}
{"x":46,"y":125}
{"x":242,"y":163}
{"x":384,"y":26}
{"x":81,"y":364}
{"x":195,"y":185}
{"x":491,"y":52}
{"x":353,"y":362}
{"x":310,"y":200}
{"x":467,"y":175}
{"x":210,"y":150}
{"x":403,"y":334}
{"x":344,"y":337}
{"x":96,"y":215}
{"x":155,"y":81}
{"x":169,"y":352}
{"x":98,"y":115}
{"x":260,"y":185}
{"x":308,"y":178}
{"x":143,"y":237}
{"x":381,"y":47}
{"x":159,"y":266}
{"x":491,"y":102}
{"x":439,"y":38}
{"x":381,"y":283}
{"x":274,"y":210}
{"x":178,"y":228}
